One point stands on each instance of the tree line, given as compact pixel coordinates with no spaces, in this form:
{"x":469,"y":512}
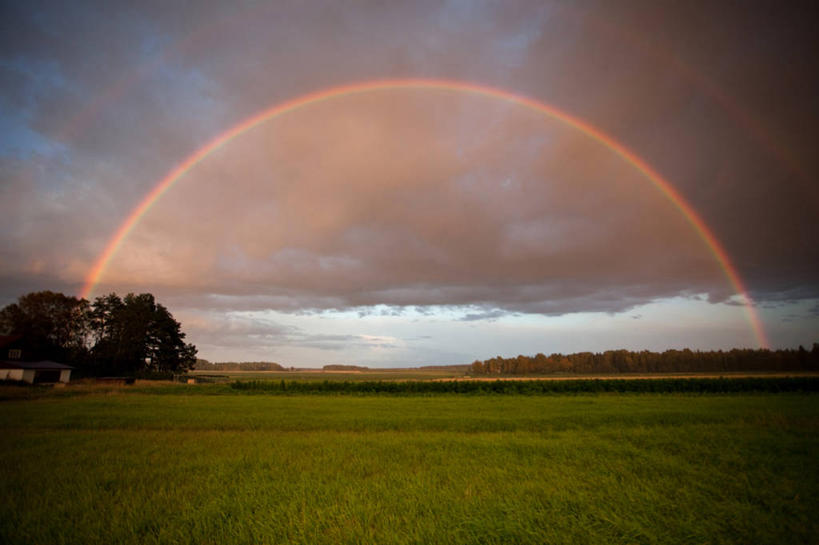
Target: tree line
{"x":342,"y":367}
{"x":670,"y":361}
{"x":131,"y":335}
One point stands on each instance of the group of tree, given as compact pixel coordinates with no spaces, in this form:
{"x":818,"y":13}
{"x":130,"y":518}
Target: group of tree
{"x":342,"y":367}
{"x":131,"y":335}
{"x":670,"y":361}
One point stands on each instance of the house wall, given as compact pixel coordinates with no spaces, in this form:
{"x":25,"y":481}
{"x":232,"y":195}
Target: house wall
{"x":28,"y":375}
{"x":11,"y":374}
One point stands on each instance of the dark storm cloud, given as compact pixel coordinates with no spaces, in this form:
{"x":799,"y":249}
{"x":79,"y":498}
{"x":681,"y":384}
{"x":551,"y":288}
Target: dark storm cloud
{"x":399,"y":201}
{"x":468,"y":205}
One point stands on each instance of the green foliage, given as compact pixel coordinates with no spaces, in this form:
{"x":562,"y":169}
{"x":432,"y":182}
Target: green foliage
{"x":670,"y":361}
{"x":537,"y":387}
{"x":142,"y":468}
{"x":137,"y":335}
{"x":53,"y":326}
{"x":134,"y":335}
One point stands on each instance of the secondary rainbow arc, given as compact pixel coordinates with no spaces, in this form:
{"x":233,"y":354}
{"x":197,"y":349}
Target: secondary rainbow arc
{"x":694,"y":219}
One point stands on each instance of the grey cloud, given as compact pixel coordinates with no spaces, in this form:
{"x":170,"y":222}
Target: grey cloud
{"x":337,"y":342}
{"x":318,"y":223}
{"x":409,"y":200}
{"x":237,"y":331}
{"x":243,"y":331}
{"x":485,"y":315}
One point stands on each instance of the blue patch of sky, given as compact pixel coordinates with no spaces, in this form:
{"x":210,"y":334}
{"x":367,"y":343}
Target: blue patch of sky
{"x":18,"y":140}
{"x":33,"y":79}
{"x":509,"y":47}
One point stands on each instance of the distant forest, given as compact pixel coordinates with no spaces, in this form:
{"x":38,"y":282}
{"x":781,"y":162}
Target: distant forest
{"x":205,"y":365}
{"x":339,"y":367}
{"x":670,"y":361}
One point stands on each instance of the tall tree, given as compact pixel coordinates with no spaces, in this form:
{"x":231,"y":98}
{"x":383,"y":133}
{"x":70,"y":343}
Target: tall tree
{"x":54,"y":326}
{"x":136,"y":334}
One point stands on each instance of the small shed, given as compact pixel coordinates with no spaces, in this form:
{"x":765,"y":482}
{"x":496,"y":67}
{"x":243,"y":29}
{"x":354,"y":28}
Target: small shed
{"x":35,"y":372}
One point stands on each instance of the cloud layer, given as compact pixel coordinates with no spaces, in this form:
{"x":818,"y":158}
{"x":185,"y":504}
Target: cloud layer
{"x":407,"y":198}
{"x":411,"y":197}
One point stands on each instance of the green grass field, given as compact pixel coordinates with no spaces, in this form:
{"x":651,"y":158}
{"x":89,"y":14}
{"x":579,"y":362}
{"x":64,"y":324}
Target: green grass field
{"x":612,"y":468}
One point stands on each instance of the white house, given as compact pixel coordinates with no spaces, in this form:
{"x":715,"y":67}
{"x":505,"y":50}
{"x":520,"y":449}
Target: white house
{"x":35,"y":372}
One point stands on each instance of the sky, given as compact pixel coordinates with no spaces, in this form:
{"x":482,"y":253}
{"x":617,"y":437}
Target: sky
{"x":425,"y":224}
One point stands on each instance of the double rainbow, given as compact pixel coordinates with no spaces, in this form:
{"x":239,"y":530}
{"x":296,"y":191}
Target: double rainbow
{"x":96,"y":272}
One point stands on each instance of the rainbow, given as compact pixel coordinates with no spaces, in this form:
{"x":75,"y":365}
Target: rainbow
{"x":714,"y":246}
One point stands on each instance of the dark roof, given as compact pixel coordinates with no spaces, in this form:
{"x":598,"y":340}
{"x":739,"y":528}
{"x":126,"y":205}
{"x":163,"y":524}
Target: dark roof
{"x":6,"y":340}
{"x":33,"y":365}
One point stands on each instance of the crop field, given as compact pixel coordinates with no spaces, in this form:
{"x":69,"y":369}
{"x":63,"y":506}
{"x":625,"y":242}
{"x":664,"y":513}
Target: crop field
{"x":210,"y":464}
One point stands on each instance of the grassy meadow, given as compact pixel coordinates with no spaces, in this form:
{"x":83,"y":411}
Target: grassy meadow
{"x":132,"y":466}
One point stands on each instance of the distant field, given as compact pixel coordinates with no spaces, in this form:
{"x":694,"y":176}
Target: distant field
{"x":145,"y":468}
{"x":424,"y":374}
{"x":374,"y":374}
